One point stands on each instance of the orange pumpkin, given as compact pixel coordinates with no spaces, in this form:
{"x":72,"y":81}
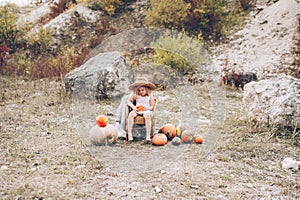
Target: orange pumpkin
{"x":187,"y":136}
{"x":159,"y":139}
{"x":140,"y":108}
{"x":198,"y":139}
{"x":169,"y":130}
{"x":101,"y":120}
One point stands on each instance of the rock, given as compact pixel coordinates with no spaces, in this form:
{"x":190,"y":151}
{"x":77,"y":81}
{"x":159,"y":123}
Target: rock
{"x":290,"y":163}
{"x":157,"y":189}
{"x":265,"y":44}
{"x":67,"y":28}
{"x":4,"y":167}
{"x":104,"y":76}
{"x":274,"y":101}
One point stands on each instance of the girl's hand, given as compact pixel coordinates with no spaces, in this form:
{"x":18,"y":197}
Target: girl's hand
{"x":135,"y":109}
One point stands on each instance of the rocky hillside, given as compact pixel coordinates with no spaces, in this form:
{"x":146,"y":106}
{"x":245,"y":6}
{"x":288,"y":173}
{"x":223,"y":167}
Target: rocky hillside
{"x":267,"y":44}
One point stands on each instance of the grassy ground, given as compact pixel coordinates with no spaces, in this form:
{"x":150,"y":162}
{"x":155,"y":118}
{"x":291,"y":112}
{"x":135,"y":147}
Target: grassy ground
{"x":43,"y":156}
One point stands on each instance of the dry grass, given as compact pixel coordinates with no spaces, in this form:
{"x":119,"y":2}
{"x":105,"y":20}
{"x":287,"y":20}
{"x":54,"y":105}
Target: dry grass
{"x":43,"y":157}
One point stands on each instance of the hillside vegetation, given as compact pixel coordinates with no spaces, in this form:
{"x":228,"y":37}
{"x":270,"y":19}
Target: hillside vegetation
{"x":37,"y":55}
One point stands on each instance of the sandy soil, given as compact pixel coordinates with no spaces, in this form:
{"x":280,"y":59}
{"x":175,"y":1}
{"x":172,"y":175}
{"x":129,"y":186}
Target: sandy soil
{"x":45,"y":152}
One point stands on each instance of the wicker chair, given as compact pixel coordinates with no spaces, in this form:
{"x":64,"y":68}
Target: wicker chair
{"x":139,"y":121}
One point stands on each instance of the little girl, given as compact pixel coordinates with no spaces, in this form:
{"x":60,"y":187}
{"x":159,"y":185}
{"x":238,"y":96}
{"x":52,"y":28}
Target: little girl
{"x":144,"y":105}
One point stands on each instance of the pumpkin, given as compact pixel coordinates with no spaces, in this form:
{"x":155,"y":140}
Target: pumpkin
{"x":159,"y":139}
{"x":198,"y":139}
{"x":180,"y":128}
{"x":140,"y":108}
{"x":97,"y":136}
{"x":178,"y":132}
{"x":187,"y":136}
{"x":176,"y":141}
{"x":169,"y":130}
{"x":103,"y":135}
{"x":111,"y":133}
{"x":101,"y":120}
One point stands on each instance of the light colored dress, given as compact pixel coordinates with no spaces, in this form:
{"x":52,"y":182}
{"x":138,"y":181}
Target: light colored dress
{"x":143,"y":101}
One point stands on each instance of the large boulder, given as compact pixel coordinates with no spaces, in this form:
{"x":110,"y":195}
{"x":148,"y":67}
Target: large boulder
{"x":104,"y":76}
{"x":274,"y":101}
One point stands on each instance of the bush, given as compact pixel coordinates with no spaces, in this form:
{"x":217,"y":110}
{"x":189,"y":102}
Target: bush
{"x":195,"y":16}
{"x":57,"y":65}
{"x":168,"y":13}
{"x":179,"y":51}
{"x":8,"y":26}
{"x":247,"y":4}
{"x":110,"y":7}
{"x":40,"y":42}
{"x":45,"y":65}
{"x":206,"y":17}
{"x":214,"y":19}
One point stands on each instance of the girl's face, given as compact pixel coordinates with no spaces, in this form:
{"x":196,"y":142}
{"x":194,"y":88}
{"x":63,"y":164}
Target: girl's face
{"x":142,"y":91}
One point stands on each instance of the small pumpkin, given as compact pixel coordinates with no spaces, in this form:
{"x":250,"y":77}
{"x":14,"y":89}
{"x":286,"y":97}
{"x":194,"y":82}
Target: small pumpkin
{"x":140,"y":108}
{"x":159,"y":139}
{"x":180,"y":128}
{"x":176,"y":141}
{"x":97,"y":135}
{"x":169,"y":130}
{"x":101,"y":120}
{"x":111,"y":133}
{"x":198,"y":139}
{"x":187,"y":136}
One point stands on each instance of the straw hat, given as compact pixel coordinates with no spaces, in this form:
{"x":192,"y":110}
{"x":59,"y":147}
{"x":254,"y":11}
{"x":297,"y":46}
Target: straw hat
{"x":142,"y":82}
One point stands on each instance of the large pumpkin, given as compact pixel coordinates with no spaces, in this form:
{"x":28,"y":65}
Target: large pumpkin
{"x":101,"y":120}
{"x":187,"y":136}
{"x":169,"y":130}
{"x":103,"y":135}
{"x":198,"y":139}
{"x":97,"y":135}
{"x":159,"y":139}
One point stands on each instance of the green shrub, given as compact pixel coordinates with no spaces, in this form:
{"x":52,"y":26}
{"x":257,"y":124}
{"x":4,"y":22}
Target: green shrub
{"x":206,"y":17}
{"x":40,"y":42}
{"x":8,"y":26}
{"x":213,"y":19}
{"x":179,"y":51}
{"x":167,"y":13}
{"x":110,"y":7}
